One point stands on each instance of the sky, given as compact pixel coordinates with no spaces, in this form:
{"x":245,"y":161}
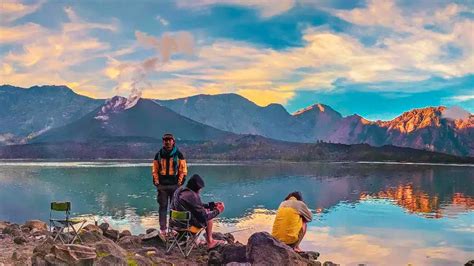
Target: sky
{"x":374,"y":58}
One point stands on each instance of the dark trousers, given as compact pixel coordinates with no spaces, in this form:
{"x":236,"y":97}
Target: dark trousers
{"x":164,"y":197}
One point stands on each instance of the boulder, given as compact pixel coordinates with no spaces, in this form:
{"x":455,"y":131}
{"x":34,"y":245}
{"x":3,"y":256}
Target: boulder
{"x":469,"y":263}
{"x":124,"y":233}
{"x":17,"y":256}
{"x":104,"y":226}
{"x":112,"y":234}
{"x":88,"y":237}
{"x":43,"y":248}
{"x":263,"y":249}
{"x":138,"y":259}
{"x":111,"y":260}
{"x":38,"y":260}
{"x":3,"y":225}
{"x":149,"y":230}
{"x":310,"y":255}
{"x":234,"y":253}
{"x":20,"y":240}
{"x":36,"y":224}
{"x":92,"y":228}
{"x":73,"y":254}
{"x":153,"y":238}
{"x":25,"y":229}
{"x":215,"y":258}
{"x":12,"y":229}
{"x":227,"y":253}
{"x":52,"y":260}
{"x":130,"y":242}
{"x":109,"y":253}
{"x":238,"y":264}
{"x":220,"y":236}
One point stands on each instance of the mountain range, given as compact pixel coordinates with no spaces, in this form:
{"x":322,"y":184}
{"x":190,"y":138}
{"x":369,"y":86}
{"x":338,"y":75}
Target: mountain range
{"x":49,"y":114}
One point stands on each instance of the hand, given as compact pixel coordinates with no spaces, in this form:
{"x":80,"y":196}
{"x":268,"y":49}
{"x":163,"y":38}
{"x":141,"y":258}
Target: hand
{"x":220,"y":207}
{"x":156,"y":183}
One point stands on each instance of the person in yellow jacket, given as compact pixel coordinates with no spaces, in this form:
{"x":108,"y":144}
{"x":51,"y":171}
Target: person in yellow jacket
{"x":291,"y":219}
{"x":169,"y":170}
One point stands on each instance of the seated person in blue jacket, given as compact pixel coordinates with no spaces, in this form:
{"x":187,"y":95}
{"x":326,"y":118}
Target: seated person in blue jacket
{"x":188,"y":199}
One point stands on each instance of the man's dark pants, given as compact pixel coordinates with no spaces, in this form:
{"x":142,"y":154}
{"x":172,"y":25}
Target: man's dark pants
{"x":164,"y":197}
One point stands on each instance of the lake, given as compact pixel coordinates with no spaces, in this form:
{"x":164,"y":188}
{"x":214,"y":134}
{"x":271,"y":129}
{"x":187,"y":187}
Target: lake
{"x":372,"y":213}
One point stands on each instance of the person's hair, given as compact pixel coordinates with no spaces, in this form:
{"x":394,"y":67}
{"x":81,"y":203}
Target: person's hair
{"x":168,"y":136}
{"x":295,"y":194}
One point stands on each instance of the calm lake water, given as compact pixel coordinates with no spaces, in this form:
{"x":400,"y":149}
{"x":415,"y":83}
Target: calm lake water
{"x":376,"y":214}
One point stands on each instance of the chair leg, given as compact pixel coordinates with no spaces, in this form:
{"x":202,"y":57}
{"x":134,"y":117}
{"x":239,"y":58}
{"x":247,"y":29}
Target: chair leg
{"x":58,"y":233}
{"x":192,"y":242}
{"x":176,"y":242}
{"x":76,"y":232}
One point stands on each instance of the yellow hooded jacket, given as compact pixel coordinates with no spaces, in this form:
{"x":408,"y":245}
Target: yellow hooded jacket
{"x":289,"y":220}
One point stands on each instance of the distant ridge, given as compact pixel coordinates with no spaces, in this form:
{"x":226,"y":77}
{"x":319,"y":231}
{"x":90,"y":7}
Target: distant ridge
{"x":26,"y":114}
{"x":145,"y":119}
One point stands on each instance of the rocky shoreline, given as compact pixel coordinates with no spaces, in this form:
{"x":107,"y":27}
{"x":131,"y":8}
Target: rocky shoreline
{"x":32,"y":244}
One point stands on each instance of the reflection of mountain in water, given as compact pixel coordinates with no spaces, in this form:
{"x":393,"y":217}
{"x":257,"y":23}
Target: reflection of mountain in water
{"x":432,"y":190}
{"x":417,"y":201}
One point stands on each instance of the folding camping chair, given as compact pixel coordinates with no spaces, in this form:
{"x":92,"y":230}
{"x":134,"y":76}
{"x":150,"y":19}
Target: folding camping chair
{"x":185,"y":238}
{"x":59,"y":226}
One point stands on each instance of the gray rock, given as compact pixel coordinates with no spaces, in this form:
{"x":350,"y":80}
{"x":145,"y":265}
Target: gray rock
{"x":73,"y":254}
{"x":125,"y":233}
{"x":215,"y":258}
{"x":111,"y":260}
{"x":109,"y":253}
{"x":149,"y":230}
{"x":38,"y":260}
{"x":3,"y":224}
{"x":138,"y":259}
{"x":310,"y":255}
{"x":263,"y":249}
{"x":238,"y":264}
{"x":20,"y":240}
{"x":36,"y":224}
{"x":104,"y":226}
{"x":43,"y":248}
{"x":130,"y":242}
{"x":88,"y":237}
{"x":112,"y":234}
{"x":92,"y":227}
{"x":16,"y":232}
{"x":220,"y":236}
{"x":227,"y":253}
{"x":8,"y":229}
{"x":36,"y":232}
{"x":234,"y":253}
{"x":25,"y":230}
{"x":52,"y":260}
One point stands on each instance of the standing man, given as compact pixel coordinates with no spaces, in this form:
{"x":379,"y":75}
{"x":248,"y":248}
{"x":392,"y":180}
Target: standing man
{"x":169,"y":170}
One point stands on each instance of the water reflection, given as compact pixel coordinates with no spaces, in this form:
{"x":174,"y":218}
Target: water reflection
{"x":363,"y":213}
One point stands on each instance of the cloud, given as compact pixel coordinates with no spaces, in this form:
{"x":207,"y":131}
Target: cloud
{"x":47,"y":56}
{"x":133,"y":75}
{"x":267,"y":8}
{"x":168,"y":44}
{"x":456,"y":112}
{"x":11,"y":10}
{"x":409,"y":52}
{"x":463,"y":98}
{"x":21,"y":33}
{"x":163,"y":21}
